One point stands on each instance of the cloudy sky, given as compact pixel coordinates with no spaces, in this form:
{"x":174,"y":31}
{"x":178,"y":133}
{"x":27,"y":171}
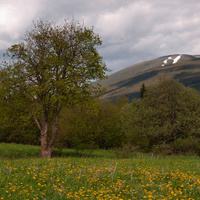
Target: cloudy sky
{"x":132,"y":30}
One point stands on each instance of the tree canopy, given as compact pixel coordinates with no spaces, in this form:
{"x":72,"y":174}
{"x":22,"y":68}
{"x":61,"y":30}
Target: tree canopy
{"x":95,"y":125}
{"x":52,"y":68}
{"x":169,"y":114}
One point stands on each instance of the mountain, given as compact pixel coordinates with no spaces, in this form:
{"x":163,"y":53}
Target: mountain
{"x":127,"y":82}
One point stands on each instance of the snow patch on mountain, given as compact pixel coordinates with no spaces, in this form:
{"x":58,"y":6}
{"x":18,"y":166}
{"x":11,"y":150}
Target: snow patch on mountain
{"x":175,"y":60}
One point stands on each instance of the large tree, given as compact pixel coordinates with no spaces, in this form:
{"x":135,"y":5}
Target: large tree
{"x":52,"y":68}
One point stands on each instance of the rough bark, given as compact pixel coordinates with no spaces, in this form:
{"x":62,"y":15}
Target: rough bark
{"x":54,"y":128}
{"x":46,"y":152}
{"x":46,"y":149}
{"x":47,"y":139}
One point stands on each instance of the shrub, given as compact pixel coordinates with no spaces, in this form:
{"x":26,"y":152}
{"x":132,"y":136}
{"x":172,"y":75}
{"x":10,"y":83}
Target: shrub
{"x":187,"y":146}
{"x":127,"y":151}
{"x":163,"y":149}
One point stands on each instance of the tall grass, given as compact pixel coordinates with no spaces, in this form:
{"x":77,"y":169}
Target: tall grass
{"x":100,"y":177}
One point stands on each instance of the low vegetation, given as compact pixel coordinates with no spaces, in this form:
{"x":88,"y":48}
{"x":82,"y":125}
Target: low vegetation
{"x":97,"y":176}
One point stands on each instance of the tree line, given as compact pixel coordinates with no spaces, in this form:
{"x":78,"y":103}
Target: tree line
{"x":166,"y":120}
{"x":47,"y":98}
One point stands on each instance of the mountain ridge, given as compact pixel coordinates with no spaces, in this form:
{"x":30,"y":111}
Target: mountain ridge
{"x":127,"y":82}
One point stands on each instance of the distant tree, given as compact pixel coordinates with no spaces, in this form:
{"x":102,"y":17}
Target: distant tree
{"x":143,"y":91}
{"x":53,"y":67}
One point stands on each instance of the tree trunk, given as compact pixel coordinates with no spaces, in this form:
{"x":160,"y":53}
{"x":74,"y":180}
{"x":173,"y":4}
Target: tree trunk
{"x":54,"y":128}
{"x":46,"y":152}
{"x":46,"y":148}
{"x":47,"y":141}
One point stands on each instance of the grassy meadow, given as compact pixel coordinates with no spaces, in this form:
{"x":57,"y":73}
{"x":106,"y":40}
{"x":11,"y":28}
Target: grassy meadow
{"x":95,"y":175}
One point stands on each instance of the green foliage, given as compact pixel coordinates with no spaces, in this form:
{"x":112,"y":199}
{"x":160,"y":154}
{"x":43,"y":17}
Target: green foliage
{"x":169,"y":113}
{"x":17,"y":127}
{"x":143,"y":91}
{"x":52,"y":68}
{"x":94,"y":125}
{"x":25,"y":135}
{"x":187,"y":146}
{"x":163,"y":148}
{"x":130,"y":126}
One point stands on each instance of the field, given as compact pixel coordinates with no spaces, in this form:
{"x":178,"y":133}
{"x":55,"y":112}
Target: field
{"x":97,"y":175}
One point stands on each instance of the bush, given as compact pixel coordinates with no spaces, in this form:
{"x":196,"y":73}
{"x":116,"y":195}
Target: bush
{"x":187,"y":146}
{"x":163,"y":149}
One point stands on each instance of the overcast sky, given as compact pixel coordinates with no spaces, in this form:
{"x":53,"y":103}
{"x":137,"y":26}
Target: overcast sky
{"x":132,"y":30}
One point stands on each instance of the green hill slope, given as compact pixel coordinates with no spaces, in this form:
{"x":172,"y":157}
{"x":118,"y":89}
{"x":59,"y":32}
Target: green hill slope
{"x":127,"y":82}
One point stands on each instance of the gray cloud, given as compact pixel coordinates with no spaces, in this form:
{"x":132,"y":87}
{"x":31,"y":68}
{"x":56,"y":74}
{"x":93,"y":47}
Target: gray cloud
{"x":132,"y":30}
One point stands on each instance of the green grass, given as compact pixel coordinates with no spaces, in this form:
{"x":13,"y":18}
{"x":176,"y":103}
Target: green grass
{"x":97,"y":176}
{"x":10,"y":151}
{"x":14,"y":151}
